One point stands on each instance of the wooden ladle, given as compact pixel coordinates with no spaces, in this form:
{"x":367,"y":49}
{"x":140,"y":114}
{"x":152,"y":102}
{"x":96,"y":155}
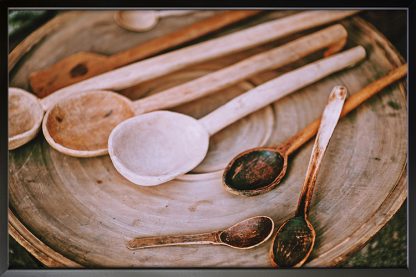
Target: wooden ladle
{"x":144,"y":20}
{"x":246,"y":234}
{"x":156,"y":147}
{"x":294,"y":240}
{"x":80,"y":125}
{"x":259,"y":170}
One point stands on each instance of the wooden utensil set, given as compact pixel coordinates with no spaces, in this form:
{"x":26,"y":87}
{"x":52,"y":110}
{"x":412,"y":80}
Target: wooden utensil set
{"x":81,"y":117}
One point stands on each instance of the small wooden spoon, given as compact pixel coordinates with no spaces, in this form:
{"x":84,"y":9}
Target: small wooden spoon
{"x":246,"y":234}
{"x":294,"y":241}
{"x":259,"y":170}
{"x":144,"y":20}
{"x":80,"y":125}
{"x":157,"y":147}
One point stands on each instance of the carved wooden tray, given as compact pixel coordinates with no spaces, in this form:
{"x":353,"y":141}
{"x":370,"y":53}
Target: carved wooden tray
{"x":71,"y":212}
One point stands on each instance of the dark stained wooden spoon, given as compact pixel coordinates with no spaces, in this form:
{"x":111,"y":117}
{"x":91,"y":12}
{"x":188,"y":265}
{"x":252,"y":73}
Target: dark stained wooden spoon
{"x":294,"y":241}
{"x":259,"y":170}
{"x":245,"y":234}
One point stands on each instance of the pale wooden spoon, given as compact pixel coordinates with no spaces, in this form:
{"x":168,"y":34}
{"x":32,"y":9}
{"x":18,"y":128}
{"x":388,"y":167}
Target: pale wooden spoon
{"x":144,"y":20}
{"x":245,"y":234}
{"x":156,"y":147}
{"x":151,"y":68}
{"x":79,"y":126}
{"x":294,"y":241}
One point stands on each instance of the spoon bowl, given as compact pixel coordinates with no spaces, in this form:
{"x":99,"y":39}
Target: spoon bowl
{"x":25,"y":117}
{"x":138,"y":21}
{"x":144,"y":20}
{"x":248,"y":233}
{"x":245,"y":234}
{"x":293,"y":243}
{"x":68,"y":126}
{"x":157,"y":147}
{"x":255,"y":171}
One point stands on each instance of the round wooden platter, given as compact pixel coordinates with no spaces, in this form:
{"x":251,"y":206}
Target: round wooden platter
{"x":71,"y":212}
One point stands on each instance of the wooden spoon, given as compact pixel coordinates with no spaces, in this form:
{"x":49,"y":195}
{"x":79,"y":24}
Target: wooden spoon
{"x":294,"y":241}
{"x":259,"y":170}
{"x":154,"y":148}
{"x":80,"y":125}
{"x":144,"y":20}
{"x":84,"y":65}
{"x":246,"y":234}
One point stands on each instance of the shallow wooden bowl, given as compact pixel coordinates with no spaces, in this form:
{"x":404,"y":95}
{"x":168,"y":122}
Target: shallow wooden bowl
{"x":71,"y":212}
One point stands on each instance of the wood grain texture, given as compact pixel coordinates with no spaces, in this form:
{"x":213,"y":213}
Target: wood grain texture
{"x":82,"y":210}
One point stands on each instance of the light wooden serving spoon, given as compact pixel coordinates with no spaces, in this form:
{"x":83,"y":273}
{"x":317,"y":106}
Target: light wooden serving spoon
{"x":245,"y":234}
{"x":294,"y":241}
{"x":79,"y":126}
{"x":144,"y":20}
{"x":260,"y":169}
{"x":154,"y":148}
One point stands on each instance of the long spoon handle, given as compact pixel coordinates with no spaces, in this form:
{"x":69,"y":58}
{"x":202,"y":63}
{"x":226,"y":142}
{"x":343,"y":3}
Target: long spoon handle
{"x":206,"y":238}
{"x":296,"y":141}
{"x":138,"y":72}
{"x":329,"y":120}
{"x":277,"y":88}
{"x":332,"y":37}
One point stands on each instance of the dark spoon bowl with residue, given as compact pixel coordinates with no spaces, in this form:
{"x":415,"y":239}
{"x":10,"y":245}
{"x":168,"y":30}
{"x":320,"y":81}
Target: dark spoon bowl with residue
{"x":245,"y":234}
{"x":294,"y":244}
{"x":248,"y":233}
{"x":255,"y":171}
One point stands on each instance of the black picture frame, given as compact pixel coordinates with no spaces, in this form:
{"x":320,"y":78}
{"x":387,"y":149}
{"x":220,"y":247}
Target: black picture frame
{"x":411,"y":213}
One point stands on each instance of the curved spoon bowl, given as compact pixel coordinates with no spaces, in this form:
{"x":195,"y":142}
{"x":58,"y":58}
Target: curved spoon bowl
{"x":248,"y":233}
{"x":255,"y":171}
{"x":25,"y":114}
{"x":287,"y":249}
{"x":137,"y":21}
{"x":157,"y":147}
{"x":62,"y":123}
